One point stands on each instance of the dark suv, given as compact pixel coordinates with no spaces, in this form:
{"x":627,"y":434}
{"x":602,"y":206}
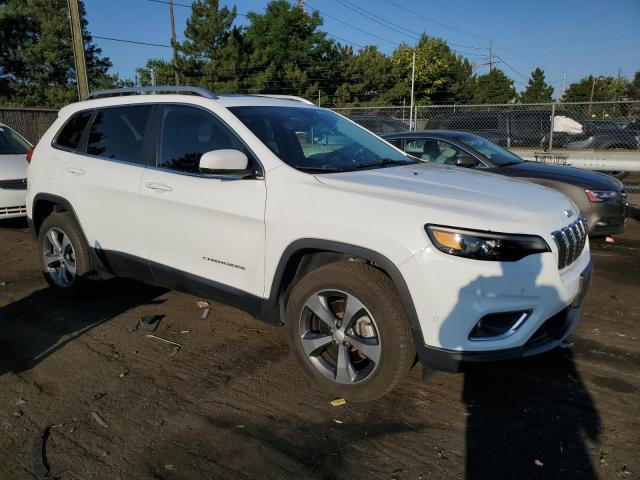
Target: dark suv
{"x":530,"y":129}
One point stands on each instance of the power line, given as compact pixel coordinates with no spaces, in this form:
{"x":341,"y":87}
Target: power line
{"x":413,"y":12}
{"x":132,"y":41}
{"x":351,"y":26}
{"x":368,"y":16}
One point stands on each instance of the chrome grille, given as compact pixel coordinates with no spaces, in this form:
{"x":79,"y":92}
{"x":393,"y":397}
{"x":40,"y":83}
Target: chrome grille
{"x":570,"y":241}
{"x":17,"y":184}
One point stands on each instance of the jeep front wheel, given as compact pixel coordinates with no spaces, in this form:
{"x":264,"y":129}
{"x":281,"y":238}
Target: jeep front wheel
{"x":348,"y":329}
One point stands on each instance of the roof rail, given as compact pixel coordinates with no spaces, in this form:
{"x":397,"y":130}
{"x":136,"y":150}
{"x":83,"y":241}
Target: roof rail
{"x":117,"y":92}
{"x":285,"y":97}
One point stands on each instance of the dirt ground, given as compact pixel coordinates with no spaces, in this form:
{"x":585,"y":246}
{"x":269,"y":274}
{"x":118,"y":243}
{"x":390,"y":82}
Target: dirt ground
{"x":231,"y":403}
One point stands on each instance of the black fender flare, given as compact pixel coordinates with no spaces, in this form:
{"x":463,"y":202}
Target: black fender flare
{"x":271,"y":309}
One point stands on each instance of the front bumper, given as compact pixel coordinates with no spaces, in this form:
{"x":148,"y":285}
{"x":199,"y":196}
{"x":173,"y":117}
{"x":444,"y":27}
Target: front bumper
{"x":451,"y":295}
{"x":608,"y":218}
{"x":548,"y":336}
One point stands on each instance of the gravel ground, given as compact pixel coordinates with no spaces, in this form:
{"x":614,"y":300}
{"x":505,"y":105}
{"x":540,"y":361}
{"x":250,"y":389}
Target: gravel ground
{"x":231,"y":403}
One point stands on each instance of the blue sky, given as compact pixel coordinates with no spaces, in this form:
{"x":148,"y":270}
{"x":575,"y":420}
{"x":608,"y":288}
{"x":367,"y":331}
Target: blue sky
{"x":578,"y":37}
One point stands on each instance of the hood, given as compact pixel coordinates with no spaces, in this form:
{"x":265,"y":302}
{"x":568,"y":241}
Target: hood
{"x":561,"y":173}
{"x":13,"y":167}
{"x":461,"y":197}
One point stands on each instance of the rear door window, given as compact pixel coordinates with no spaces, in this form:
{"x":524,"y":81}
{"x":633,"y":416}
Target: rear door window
{"x":117,"y":133}
{"x":69,"y":136}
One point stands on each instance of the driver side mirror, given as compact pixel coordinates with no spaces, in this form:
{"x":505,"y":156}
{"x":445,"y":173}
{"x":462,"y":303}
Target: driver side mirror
{"x":225,"y":162}
{"x":467,"y":161}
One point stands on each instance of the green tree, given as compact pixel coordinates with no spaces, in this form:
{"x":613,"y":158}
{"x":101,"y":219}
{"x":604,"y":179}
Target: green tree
{"x":287,"y":52}
{"x":441,"y":75}
{"x":604,"y":89}
{"x":537,"y":90}
{"x":36,"y":59}
{"x":163,"y":71}
{"x":212,"y":52}
{"x":634,"y":87}
{"x":493,"y":87}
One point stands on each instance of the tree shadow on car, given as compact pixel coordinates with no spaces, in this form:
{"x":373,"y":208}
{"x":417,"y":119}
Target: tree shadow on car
{"x":36,"y":326}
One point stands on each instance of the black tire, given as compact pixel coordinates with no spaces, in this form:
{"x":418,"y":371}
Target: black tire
{"x":377,"y":293}
{"x":63,"y":223}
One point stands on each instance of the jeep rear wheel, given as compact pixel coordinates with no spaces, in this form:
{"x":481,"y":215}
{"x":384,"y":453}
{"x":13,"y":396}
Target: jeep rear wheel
{"x":348,"y":329}
{"x":64,"y":254}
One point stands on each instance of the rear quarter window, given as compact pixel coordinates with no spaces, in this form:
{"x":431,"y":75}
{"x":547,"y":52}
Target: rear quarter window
{"x":70,"y":134}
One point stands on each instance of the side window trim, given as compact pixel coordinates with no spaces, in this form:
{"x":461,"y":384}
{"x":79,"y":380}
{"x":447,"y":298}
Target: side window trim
{"x":157,"y":120}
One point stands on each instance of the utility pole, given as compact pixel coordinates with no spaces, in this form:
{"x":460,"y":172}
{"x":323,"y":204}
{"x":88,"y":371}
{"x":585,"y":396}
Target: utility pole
{"x":593,"y":87}
{"x":413,"y":82}
{"x":78,"y":49}
{"x":173,"y":44}
{"x":564,"y":77}
{"x":490,"y":56}
{"x":318,"y":97}
{"x":153,"y":76}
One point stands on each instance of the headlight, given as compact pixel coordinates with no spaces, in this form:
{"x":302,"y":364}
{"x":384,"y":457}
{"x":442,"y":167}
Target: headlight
{"x":481,"y":245}
{"x":597,"y":196}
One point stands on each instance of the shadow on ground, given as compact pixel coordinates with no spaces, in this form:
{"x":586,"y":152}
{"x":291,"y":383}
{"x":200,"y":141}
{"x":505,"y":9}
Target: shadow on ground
{"x":529,"y":419}
{"x":34,"y":327}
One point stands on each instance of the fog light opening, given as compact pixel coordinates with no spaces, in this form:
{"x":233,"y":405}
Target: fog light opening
{"x":495,"y":326}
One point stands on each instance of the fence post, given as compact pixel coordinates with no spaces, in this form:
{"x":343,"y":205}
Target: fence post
{"x":552,"y":122}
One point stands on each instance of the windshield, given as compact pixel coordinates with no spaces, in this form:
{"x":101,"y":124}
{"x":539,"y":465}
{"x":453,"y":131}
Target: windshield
{"x":317,"y":140}
{"x":493,"y":152}
{"x":11,"y":143}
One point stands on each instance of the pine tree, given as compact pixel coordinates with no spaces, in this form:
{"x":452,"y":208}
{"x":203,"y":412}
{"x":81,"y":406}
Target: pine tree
{"x":36,"y":58}
{"x":537,"y":90}
{"x":494,"y":87}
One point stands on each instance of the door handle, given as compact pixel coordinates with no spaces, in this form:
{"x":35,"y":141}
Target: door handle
{"x":158,"y":187}
{"x":75,"y":171}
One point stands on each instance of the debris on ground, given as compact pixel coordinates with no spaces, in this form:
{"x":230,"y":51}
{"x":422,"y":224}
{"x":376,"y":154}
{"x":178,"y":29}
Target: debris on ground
{"x":609,"y":240}
{"x":177,"y":346}
{"x":150,"y":322}
{"x":20,"y":401}
{"x":337,"y":421}
{"x":538,"y":463}
{"x":205,"y":313}
{"x":202,"y":304}
{"x":2,"y":284}
{"x":18,"y":413}
{"x":337,"y":402}
{"x":183,"y":331}
{"x":99,"y":419}
{"x":39,"y":455}
{"x":168,"y":467}
{"x":124,"y":374}
{"x":257,"y":330}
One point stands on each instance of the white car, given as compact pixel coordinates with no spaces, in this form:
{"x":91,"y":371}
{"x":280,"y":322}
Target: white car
{"x":13,"y":173}
{"x":297,"y":215}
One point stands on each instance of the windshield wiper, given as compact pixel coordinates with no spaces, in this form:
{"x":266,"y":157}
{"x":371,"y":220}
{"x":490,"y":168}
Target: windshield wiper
{"x":385,"y":161}
{"x":323,"y":168}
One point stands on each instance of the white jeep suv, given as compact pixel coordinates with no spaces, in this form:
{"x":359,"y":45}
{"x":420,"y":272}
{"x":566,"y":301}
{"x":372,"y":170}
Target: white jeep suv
{"x":370,"y":257}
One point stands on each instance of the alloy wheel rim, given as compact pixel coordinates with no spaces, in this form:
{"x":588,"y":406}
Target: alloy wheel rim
{"x":340,"y":336}
{"x":59,"y":258}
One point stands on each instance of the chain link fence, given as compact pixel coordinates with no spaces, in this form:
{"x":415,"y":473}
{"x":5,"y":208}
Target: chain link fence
{"x":31,"y":123}
{"x":543,"y":126}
